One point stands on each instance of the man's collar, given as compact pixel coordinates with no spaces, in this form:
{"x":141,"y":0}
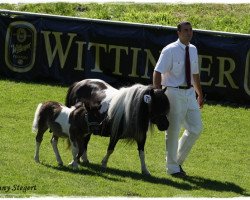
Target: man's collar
{"x":181,"y":45}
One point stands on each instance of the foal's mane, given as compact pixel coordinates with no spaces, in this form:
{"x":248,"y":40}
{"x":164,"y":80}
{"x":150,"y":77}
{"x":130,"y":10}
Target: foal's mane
{"x":129,"y":113}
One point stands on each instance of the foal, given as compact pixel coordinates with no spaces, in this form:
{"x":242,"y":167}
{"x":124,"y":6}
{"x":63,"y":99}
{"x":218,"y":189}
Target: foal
{"x":72,"y":123}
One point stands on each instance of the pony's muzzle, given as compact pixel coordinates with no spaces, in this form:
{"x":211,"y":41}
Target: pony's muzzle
{"x":161,"y":122}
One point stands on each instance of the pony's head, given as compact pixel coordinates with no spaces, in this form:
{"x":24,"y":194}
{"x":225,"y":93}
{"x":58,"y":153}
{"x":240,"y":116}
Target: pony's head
{"x":159,"y":106}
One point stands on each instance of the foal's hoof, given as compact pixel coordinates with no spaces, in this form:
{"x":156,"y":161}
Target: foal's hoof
{"x":36,"y":160}
{"x":146,"y":173}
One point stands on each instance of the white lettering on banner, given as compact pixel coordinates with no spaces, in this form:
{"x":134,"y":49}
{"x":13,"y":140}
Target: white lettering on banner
{"x":226,"y":65}
{"x":58,"y":47}
{"x":20,"y":48}
{"x":247,"y":74}
{"x":97,"y":54}
{"x":134,"y":62}
{"x":223,"y":73}
{"x":149,"y":58}
{"x":206,"y":69}
{"x":79,"y":66}
{"x":118,"y":57}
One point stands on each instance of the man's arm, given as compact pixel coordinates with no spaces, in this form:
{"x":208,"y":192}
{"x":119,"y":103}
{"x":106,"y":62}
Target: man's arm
{"x":198,"y":89}
{"x":157,"y":80}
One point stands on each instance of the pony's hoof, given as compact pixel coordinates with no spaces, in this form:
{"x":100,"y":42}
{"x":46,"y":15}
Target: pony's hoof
{"x":85,"y":161}
{"x":104,"y":165}
{"x":60,"y":164}
{"x":73,"y":165}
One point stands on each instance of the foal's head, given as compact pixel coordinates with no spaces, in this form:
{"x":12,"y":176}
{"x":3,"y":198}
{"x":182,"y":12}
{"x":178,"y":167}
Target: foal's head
{"x":84,"y":116}
{"x":159,"y":108}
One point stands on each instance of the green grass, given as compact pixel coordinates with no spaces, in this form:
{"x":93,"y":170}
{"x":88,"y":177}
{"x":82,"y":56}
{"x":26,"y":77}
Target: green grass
{"x":218,"y":166}
{"x":216,"y":17}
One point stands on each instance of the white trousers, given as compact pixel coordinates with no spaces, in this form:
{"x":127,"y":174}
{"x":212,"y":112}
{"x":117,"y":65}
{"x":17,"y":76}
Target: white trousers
{"x":184,"y":113}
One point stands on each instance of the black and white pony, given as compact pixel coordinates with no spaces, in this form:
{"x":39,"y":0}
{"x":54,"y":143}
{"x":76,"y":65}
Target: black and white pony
{"x":65,"y":122}
{"x":127,"y":113}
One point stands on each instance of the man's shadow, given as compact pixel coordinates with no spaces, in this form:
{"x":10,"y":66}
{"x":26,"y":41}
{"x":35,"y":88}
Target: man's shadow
{"x":215,"y":185}
{"x":189,"y":183}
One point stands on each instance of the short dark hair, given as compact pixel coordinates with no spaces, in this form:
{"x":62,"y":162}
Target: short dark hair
{"x":183,"y":23}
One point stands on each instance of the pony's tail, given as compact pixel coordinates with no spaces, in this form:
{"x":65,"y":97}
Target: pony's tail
{"x":36,"y":118}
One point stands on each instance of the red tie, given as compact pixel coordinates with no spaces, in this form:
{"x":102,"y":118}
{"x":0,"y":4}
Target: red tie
{"x":187,"y":63}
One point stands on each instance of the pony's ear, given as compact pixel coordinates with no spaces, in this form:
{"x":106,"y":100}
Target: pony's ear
{"x":164,"y":90}
{"x":152,"y":92}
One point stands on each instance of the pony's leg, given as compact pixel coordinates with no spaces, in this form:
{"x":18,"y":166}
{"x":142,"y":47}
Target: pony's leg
{"x":141,"y":145}
{"x":39,"y":139}
{"x":85,"y":148}
{"x":75,"y":151}
{"x":111,"y":147}
{"x":54,"y":141}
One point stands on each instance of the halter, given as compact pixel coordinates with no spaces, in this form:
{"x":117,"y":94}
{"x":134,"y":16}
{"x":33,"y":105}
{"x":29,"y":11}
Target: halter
{"x":95,"y":127}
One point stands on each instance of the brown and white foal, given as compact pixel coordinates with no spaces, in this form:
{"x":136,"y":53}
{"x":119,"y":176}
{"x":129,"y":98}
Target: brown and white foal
{"x":72,"y":123}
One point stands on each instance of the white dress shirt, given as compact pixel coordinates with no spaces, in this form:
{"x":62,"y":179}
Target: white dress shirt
{"x":171,"y":64}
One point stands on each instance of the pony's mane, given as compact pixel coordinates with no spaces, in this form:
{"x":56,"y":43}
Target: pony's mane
{"x":129,"y":113}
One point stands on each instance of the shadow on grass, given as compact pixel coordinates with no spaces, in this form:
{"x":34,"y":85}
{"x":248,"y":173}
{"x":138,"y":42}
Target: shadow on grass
{"x":188,"y":183}
{"x":214,"y":185}
{"x":96,"y":170}
{"x":81,"y":171}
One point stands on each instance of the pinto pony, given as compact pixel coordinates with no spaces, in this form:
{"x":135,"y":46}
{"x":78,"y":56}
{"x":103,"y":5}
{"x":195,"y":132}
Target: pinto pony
{"x":126,"y":113}
{"x":72,"y":123}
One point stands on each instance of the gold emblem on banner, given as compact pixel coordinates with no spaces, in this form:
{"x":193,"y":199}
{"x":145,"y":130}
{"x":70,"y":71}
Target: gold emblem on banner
{"x":20,"y":46}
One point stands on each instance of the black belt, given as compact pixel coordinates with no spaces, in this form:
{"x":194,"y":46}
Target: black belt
{"x":182,"y":87}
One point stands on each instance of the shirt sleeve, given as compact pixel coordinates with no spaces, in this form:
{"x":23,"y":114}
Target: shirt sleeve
{"x":195,"y":63}
{"x":164,"y":62}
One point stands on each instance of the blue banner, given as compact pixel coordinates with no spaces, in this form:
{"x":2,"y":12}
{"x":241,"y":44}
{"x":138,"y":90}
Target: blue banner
{"x":65,"y":50}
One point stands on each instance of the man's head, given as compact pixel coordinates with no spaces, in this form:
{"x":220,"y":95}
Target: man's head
{"x":185,"y":32}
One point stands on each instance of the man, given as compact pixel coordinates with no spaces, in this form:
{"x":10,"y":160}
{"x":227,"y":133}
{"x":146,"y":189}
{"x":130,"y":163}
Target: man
{"x":177,"y":69}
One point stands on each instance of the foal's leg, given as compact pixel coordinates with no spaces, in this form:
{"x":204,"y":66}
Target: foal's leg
{"x":110,"y":150}
{"x":85,"y":147}
{"x":75,"y":151}
{"x":39,"y":139}
{"x":140,"y":145}
{"x":54,"y":141}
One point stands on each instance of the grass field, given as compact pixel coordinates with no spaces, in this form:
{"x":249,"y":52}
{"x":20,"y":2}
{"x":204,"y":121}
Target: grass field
{"x":216,"y":17}
{"x":218,"y":166}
